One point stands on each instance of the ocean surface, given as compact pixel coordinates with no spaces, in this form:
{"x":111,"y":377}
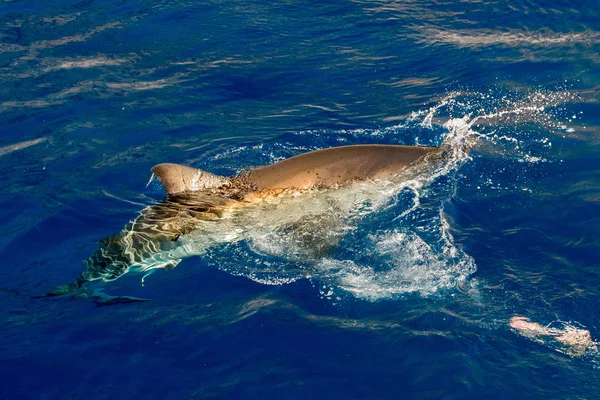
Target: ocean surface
{"x":413,"y":299}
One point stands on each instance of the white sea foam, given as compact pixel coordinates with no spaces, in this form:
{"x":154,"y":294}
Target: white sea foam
{"x":413,"y":253}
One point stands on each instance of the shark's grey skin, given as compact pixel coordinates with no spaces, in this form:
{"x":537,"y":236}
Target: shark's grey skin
{"x":185,"y":224}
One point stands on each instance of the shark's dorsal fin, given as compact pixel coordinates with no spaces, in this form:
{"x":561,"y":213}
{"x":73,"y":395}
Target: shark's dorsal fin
{"x":177,"y":178}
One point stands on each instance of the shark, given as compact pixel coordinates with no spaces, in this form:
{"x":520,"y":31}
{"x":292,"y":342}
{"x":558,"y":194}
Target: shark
{"x":307,"y":198}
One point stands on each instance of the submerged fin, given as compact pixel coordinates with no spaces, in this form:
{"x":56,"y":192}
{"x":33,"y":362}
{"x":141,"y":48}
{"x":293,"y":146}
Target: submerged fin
{"x":71,"y":288}
{"x":62,"y":290}
{"x":177,"y":178}
{"x":100,"y":298}
{"x":103,"y":299}
{"x":169,"y":265}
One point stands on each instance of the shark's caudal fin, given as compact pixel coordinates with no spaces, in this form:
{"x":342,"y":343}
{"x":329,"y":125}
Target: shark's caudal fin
{"x":177,"y":178}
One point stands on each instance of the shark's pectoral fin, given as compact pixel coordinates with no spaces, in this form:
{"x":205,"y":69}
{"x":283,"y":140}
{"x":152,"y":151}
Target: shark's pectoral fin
{"x":171,"y":264}
{"x":62,"y":290}
{"x":71,"y":288}
{"x":177,"y":178}
{"x":102,"y":299}
{"x":166,"y":265}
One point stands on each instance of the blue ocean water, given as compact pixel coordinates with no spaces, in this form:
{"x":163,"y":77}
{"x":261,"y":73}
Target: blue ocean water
{"x":416,"y":298}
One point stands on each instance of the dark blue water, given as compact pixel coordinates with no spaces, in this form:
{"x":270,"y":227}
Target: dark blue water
{"x":415,"y":300}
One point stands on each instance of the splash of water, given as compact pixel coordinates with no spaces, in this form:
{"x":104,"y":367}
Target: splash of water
{"x":380,"y":240}
{"x":415,"y":251}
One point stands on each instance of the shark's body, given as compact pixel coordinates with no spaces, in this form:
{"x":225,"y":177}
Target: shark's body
{"x":328,"y":167}
{"x":203,"y":209}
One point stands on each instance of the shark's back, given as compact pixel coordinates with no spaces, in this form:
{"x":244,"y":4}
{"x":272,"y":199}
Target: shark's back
{"x":328,"y":167}
{"x":337,"y":165}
